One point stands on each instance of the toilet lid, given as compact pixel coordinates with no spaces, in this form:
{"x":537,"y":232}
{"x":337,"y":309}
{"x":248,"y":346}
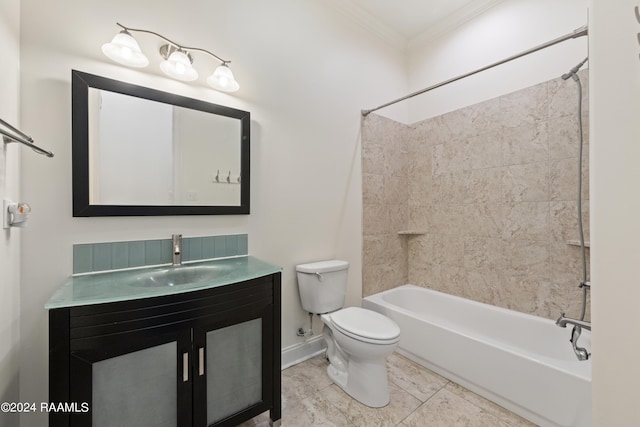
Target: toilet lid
{"x":365,"y":323}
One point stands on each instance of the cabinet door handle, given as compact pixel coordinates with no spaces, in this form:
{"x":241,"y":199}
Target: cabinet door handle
{"x":185,"y":367}
{"x":201,"y":361}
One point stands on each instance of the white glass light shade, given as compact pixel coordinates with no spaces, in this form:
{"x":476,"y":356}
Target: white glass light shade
{"x":222,"y":79}
{"x":179,"y":67}
{"x":125,"y":50}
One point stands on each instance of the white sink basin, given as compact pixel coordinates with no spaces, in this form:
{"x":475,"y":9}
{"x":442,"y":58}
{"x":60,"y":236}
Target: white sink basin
{"x":182,"y":275}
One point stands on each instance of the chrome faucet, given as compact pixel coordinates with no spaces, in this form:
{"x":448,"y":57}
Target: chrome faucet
{"x":580,"y":352}
{"x":176,"y":244}
{"x":563,"y":321}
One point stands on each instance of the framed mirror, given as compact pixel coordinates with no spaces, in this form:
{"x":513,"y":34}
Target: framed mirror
{"x":140,"y":151}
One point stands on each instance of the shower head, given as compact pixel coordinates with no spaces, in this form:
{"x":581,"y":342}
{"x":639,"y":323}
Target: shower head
{"x":573,"y":72}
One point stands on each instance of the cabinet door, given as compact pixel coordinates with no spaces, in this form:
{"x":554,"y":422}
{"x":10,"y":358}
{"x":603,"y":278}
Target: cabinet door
{"x":233,"y":375}
{"x":133,"y":379}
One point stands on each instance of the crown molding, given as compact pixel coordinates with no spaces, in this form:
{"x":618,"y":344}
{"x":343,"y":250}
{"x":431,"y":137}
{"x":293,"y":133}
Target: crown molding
{"x":371,"y":23}
{"x":452,"y":21}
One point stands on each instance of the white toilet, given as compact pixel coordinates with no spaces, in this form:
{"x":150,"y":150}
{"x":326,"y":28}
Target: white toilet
{"x":358,"y":340}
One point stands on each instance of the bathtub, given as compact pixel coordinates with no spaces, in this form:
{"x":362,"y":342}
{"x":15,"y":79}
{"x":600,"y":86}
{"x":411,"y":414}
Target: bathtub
{"x":521,"y":362}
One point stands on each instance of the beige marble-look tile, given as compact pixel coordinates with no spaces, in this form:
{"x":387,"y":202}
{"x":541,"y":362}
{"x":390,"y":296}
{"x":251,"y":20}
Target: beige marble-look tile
{"x":374,"y":219}
{"x":447,"y":219}
{"x":381,"y":277}
{"x":484,"y":219}
{"x":484,"y":252}
{"x":446,"y":409}
{"x":488,"y":406}
{"x":450,"y":279}
{"x":417,"y":380}
{"x":484,"y":151}
{"x":525,"y":144}
{"x":486,"y":285}
{"x":527,"y":220}
{"x":372,"y":158}
{"x":305,"y":379}
{"x":563,"y":137}
{"x":448,"y":188}
{"x":315,"y":410}
{"x":563,"y":97}
{"x":529,"y":259}
{"x":420,"y":163}
{"x":526,"y":294}
{"x":419,"y":217}
{"x":448,"y":249}
{"x":420,"y":190}
{"x":564,"y":220}
{"x":526,"y":183}
{"x":449,"y":157}
{"x":395,"y":190}
{"x":372,"y":189}
{"x":526,"y":106}
{"x":420,"y":249}
{"x":401,"y":404}
{"x":563,"y":178}
{"x":484,"y":185}
{"x":428,"y":133}
{"x":487,"y":116}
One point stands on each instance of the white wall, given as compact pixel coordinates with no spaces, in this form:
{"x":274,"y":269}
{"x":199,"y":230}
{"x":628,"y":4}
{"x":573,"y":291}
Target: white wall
{"x":305,"y":74}
{"x":507,"y":29}
{"x":615,"y":210}
{"x":9,"y":189}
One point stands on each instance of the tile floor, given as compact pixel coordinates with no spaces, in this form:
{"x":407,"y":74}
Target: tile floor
{"x":419,"y":398}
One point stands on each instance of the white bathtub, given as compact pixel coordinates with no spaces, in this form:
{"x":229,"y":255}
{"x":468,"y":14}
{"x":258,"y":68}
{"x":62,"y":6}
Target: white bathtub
{"x":519,"y":361}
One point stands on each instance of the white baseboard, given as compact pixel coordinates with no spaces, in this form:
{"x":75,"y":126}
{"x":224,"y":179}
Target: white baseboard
{"x":300,"y":352}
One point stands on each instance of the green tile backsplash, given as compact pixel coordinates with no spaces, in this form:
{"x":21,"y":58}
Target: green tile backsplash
{"x":117,"y":255}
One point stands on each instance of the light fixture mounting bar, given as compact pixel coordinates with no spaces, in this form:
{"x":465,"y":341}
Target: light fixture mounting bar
{"x":179,"y":46}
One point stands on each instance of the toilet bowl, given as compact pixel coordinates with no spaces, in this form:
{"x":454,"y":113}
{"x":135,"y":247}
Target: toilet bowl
{"x":358,"y":340}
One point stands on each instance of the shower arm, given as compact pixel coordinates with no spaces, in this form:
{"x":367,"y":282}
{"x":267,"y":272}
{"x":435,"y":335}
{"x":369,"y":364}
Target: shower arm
{"x":582,"y":31}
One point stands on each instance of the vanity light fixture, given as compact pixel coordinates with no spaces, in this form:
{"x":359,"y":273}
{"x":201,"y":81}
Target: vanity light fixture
{"x":177,"y":59}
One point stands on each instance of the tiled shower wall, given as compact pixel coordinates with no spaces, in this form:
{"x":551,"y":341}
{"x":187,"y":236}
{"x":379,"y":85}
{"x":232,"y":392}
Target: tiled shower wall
{"x":493,"y":187}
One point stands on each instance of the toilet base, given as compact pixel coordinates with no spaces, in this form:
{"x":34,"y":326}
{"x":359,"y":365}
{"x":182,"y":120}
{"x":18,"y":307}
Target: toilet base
{"x":364,"y":380}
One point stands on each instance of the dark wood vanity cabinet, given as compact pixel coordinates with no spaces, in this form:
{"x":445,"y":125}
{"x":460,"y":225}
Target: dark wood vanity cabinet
{"x":202,"y":358}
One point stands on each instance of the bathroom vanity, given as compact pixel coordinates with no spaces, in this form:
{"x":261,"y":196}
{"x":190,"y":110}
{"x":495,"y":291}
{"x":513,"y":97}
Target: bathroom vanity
{"x":192,"y":345}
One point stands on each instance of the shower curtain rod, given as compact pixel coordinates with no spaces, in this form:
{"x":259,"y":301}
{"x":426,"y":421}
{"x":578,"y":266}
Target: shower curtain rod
{"x":22,"y":139}
{"x":582,"y":31}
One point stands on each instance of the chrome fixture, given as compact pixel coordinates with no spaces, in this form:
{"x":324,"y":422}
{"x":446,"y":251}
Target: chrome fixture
{"x":22,"y":138}
{"x":585,"y":285}
{"x":177,"y":63}
{"x":308,"y":332}
{"x":563,"y":321}
{"x":176,"y":245}
{"x":581,"y":352}
{"x":582,"y":31}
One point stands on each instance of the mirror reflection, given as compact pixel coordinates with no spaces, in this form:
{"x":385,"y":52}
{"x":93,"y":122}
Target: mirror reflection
{"x":173,"y":155}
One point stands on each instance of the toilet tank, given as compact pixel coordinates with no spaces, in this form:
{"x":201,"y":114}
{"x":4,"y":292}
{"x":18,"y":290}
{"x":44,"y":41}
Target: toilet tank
{"x":322,"y":285}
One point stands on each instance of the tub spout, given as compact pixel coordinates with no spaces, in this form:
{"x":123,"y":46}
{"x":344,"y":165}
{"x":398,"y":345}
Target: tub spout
{"x":580,"y":352}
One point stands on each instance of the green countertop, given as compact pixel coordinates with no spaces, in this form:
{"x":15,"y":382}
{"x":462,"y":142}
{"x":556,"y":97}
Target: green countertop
{"x":99,"y":288}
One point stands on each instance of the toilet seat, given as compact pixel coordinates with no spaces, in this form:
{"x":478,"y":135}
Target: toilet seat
{"x":366,"y":325}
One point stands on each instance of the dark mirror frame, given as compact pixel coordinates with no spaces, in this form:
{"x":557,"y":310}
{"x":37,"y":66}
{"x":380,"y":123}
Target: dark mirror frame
{"x":80,"y":84}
